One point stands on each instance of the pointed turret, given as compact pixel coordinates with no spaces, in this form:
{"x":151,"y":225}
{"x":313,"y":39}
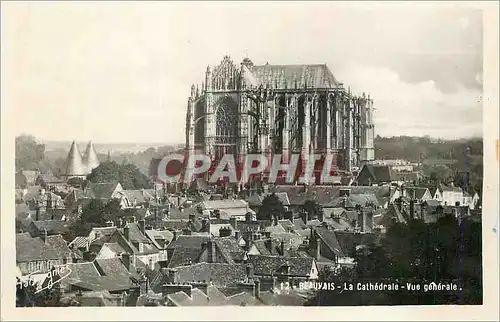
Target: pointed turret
{"x":74,"y":163}
{"x":90,"y":159}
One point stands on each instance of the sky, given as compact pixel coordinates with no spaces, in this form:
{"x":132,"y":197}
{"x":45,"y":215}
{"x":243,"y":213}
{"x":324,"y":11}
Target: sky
{"x":121,"y":72}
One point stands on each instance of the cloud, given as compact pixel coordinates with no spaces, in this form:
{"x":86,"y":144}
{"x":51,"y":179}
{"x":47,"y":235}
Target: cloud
{"x":416,"y":109}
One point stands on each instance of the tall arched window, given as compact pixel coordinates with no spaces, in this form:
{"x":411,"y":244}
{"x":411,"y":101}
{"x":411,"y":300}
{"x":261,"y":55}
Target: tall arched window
{"x":226,"y":123}
{"x":226,"y":131}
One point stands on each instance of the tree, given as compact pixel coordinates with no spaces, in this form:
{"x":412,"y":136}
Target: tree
{"x":28,"y":153}
{"x":443,"y":252}
{"x":76,"y":182}
{"x":313,"y":208}
{"x":95,"y":214}
{"x":27,"y":295}
{"x":129,"y":176}
{"x":271,"y":207}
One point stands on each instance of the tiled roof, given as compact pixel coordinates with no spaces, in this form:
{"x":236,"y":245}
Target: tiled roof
{"x":112,"y":267}
{"x":271,"y":265}
{"x":82,"y":270}
{"x":254,"y":200}
{"x":177,"y":224}
{"x":266,"y":246}
{"x":288,"y":298}
{"x":328,"y":196}
{"x":102,"y":190}
{"x":229,"y":248}
{"x":58,"y":244}
{"x":188,"y":241}
{"x":135,"y":233}
{"x":224,"y":204}
{"x":286,"y":224}
{"x":243,"y":299}
{"x":183,"y":256}
{"x":30,"y":249}
{"x":330,"y":239}
{"x":53,"y":227}
{"x":275,"y":229}
{"x":416,"y":192}
{"x":215,"y":228}
{"x":79,"y":242}
{"x":292,"y":240}
{"x":220,"y":275}
{"x":298,"y":223}
{"x":115,"y":248}
{"x":103,"y":283}
{"x":290,"y":76}
{"x":349,"y":240}
{"x":48,"y":178}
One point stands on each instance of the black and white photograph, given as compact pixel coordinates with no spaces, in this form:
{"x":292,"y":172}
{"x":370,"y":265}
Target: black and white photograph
{"x":248,"y":154}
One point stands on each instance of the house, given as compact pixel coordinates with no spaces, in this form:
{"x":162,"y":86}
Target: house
{"x":419,"y":194}
{"x":26,"y":178}
{"x":290,"y":269}
{"x":212,"y":296}
{"x":223,"y":276}
{"x":134,"y":198}
{"x":221,"y":250}
{"x":37,"y":255}
{"x":48,"y":227}
{"x":374,"y":175}
{"x":50,"y":182}
{"x":227,"y":208}
{"x":185,"y":249}
{"x":334,"y":247}
{"x":449,"y":195}
{"x":104,"y":191}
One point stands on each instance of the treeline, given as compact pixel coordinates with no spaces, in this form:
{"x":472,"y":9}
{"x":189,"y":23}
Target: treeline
{"x":457,"y":161}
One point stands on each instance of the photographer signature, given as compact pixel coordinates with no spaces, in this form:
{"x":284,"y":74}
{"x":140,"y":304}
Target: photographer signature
{"x":51,"y":279}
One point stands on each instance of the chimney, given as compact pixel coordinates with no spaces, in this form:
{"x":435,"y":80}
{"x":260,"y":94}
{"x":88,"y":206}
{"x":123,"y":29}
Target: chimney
{"x":305,"y":216}
{"x":170,"y":273}
{"x":412,"y":209}
{"x":286,"y":268}
{"x":171,"y":288}
{"x":205,"y":225}
{"x":233,"y":222}
{"x":317,"y":249}
{"x":43,"y":235}
{"x":249,"y":271}
{"x":237,"y":235}
{"x":321,"y":215}
{"x":37,"y":215}
{"x":126,"y":233}
{"x":275,"y":220}
{"x":175,"y":233}
{"x":422,"y":210}
{"x":257,"y":289}
{"x":361,"y":221}
{"x":267,"y":234}
{"x":225,"y":232}
{"x":142,"y":225}
{"x":248,"y":217}
{"x":211,"y":251}
{"x":126,"y":260}
{"x":282,"y":248}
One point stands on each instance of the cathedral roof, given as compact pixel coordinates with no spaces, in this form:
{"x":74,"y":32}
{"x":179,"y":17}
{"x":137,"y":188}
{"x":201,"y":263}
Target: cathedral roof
{"x":286,"y":76}
{"x":90,"y":159}
{"x":74,"y":164}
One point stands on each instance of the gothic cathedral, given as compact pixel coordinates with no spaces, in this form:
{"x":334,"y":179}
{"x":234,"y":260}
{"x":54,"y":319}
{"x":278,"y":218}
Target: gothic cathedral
{"x":279,"y":109}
